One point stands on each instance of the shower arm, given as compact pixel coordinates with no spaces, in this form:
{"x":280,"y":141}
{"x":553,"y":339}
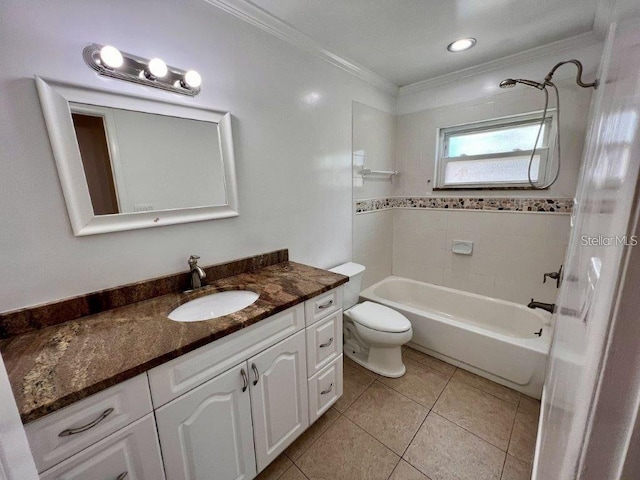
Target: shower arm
{"x":578,"y":64}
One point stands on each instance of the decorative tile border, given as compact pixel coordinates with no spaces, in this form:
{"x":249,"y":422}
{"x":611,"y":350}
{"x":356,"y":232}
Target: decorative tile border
{"x":513,"y":204}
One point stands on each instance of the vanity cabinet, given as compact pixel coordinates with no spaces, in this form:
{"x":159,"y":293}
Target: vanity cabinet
{"x":279,"y":401}
{"x":132,"y":453}
{"x":64,"y":433}
{"x":223,"y":411}
{"x":207,"y":432}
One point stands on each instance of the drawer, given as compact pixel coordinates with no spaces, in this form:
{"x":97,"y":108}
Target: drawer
{"x":178,"y":376}
{"x":324,"y":304}
{"x":324,"y":342}
{"x":131,"y":453}
{"x":325,"y":387}
{"x":59,"y":435}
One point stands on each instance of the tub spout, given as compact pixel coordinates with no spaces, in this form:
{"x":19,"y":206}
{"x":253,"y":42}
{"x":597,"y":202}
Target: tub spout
{"x":549,"y":307}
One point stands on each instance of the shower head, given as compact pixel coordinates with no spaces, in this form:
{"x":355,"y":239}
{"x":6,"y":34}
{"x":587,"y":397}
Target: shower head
{"x":511,"y":82}
{"x":508,"y":83}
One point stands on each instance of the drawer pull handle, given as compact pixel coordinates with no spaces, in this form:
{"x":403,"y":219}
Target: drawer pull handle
{"x":245,"y":380}
{"x":324,"y":392}
{"x":122,"y":476}
{"x":73,"y":431}
{"x":325,"y":305}
{"x":255,"y":372}
{"x":324,"y":345}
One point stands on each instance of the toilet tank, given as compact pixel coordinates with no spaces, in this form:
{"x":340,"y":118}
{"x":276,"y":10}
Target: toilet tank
{"x":352,"y":289}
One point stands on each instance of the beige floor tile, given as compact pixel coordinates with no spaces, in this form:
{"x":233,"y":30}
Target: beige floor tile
{"x":529,"y":405}
{"x":356,"y":379}
{"x":293,"y":473}
{"x":275,"y":469}
{"x":388,"y":416}
{"x":420,"y":383}
{"x":346,"y":452}
{"x":495,"y":389}
{"x":359,"y":367}
{"x":525,"y":429}
{"x":444,"y":451}
{"x":515,"y":469}
{"x":482,"y":414}
{"x":304,"y":441}
{"x":404,"y":471}
{"x":430,"y":361}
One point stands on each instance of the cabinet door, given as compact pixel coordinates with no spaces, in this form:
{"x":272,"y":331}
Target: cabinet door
{"x":206,"y":433}
{"x":132,"y":453}
{"x":279,"y":399}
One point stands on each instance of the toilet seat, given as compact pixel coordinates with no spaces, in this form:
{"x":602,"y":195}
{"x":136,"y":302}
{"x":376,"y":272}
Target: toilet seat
{"x":379,"y":317}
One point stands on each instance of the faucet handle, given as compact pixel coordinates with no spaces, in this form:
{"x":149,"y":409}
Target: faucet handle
{"x":557,"y":276}
{"x":193,"y":260}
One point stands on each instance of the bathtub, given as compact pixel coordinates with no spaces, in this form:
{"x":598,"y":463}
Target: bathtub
{"x":492,"y":338}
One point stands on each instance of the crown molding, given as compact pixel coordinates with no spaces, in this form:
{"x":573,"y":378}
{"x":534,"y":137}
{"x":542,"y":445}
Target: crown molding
{"x":256,"y":16}
{"x":583,"y":40}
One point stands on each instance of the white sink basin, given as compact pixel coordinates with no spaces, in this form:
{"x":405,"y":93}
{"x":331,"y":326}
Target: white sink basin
{"x":213,"y":306}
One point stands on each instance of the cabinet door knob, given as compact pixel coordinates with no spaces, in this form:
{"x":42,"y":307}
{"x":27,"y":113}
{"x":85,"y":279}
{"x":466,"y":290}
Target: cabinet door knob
{"x":324,"y":392}
{"x":245,"y":380}
{"x":325,"y":305}
{"x":323,"y":345}
{"x":73,"y":431}
{"x":255,"y":372}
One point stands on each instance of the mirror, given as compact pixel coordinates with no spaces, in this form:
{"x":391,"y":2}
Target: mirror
{"x":126,"y":162}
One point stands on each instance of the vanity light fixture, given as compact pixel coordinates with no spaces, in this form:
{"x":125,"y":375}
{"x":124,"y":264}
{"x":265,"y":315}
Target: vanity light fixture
{"x":111,"y":57}
{"x":192,"y":79}
{"x":111,"y":62}
{"x":461,"y":45}
{"x":156,"y":69}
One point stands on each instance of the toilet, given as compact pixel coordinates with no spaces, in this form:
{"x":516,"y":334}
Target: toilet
{"x":373,"y":333}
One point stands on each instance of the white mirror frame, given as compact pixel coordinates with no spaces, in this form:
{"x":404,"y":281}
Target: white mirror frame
{"x":55,"y":97}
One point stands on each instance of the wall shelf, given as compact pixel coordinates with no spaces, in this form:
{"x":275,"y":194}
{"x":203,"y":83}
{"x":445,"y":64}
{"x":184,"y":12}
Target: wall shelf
{"x":365,"y":172}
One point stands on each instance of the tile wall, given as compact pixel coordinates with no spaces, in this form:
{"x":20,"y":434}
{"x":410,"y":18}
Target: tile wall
{"x":511,"y":250}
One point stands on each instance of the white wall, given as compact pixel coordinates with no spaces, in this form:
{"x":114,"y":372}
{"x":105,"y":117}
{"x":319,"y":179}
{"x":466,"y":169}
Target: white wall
{"x":16,"y":462}
{"x":374,"y":141}
{"x":417,"y":137}
{"x":483,"y":80}
{"x":292,"y":133}
{"x":511,"y":251}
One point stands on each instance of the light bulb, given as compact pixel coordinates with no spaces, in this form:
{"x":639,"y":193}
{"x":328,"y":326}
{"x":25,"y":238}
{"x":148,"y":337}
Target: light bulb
{"x":111,"y":57}
{"x":157,"y":68}
{"x":192,"y":79}
{"x":461,"y":45}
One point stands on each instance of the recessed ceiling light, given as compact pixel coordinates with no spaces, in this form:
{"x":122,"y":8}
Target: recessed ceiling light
{"x":461,"y":45}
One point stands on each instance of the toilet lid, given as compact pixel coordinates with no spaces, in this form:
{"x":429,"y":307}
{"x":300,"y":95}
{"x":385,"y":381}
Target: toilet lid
{"x":378,"y":317}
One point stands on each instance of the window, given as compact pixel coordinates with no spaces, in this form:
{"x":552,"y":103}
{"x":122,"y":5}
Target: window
{"x":495,"y":153}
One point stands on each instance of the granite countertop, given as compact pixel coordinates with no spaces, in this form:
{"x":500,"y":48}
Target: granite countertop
{"x":52,"y":367}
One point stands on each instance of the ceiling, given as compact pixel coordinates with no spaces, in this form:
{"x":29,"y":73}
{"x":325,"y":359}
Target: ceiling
{"x":405,"y":41}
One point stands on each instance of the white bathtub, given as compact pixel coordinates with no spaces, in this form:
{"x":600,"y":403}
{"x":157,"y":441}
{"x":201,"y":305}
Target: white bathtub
{"x":493,"y":338}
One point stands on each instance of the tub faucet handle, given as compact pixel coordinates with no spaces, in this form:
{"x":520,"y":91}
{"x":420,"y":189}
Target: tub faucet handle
{"x":557,"y":276}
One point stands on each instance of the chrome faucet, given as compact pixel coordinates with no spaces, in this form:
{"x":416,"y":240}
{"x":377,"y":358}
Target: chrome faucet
{"x":197,"y":273}
{"x":549,"y":307}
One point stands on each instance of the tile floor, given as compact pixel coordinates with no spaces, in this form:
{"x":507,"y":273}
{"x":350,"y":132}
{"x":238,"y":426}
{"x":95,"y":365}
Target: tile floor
{"x":437,"y":422}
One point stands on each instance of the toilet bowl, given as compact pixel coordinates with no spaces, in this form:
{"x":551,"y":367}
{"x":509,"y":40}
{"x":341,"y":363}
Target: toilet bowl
{"x":373,"y":333}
